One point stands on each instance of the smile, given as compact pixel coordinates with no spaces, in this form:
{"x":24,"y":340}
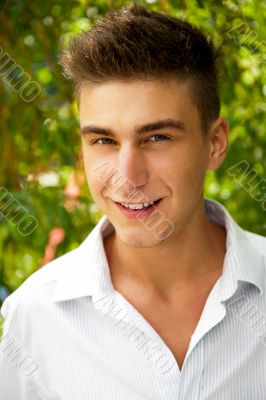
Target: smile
{"x":139,"y":210}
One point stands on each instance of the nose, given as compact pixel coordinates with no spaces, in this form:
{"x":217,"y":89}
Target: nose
{"x":132,"y":168}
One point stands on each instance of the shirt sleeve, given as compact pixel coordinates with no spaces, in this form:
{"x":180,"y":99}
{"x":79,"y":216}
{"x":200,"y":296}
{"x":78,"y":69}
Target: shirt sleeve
{"x":19,"y":375}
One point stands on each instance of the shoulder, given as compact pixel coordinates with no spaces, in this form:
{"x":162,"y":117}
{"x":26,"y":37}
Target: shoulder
{"x":38,"y":286}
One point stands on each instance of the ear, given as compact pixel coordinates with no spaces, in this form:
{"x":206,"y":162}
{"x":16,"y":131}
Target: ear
{"x":218,"y":139}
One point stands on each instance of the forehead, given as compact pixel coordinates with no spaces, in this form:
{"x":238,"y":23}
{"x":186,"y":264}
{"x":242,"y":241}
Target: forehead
{"x":123,"y":102}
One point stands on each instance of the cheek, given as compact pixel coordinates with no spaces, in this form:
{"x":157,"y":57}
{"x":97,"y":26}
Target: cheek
{"x":100,"y":173}
{"x":94,"y":173}
{"x":95,"y":179}
{"x":187,"y":172}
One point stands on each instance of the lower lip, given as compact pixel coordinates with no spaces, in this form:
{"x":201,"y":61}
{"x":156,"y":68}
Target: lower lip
{"x":138,"y":214}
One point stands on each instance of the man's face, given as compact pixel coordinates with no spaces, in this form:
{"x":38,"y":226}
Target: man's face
{"x":167,"y":164}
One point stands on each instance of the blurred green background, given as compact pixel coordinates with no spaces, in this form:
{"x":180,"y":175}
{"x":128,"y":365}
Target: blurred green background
{"x":41,"y":163}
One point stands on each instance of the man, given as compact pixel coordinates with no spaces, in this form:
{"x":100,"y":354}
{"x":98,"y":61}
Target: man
{"x":155,"y":302}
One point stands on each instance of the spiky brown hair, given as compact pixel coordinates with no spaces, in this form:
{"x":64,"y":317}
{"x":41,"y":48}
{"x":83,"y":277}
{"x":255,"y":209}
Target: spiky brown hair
{"x":135,"y":43}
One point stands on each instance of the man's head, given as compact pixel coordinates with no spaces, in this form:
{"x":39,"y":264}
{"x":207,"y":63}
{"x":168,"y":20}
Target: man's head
{"x":119,"y":95}
{"x":136,"y":43}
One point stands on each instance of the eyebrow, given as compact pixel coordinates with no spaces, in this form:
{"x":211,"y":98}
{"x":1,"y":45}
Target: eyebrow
{"x":152,"y":126}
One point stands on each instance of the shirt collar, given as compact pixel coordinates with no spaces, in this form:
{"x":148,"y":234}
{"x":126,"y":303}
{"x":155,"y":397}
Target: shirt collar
{"x":86,"y":268}
{"x":242,"y":261}
{"x":86,"y":271}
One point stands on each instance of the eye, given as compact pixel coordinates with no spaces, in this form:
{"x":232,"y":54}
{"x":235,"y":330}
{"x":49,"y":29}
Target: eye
{"x":97,"y":141}
{"x":162,"y":136}
{"x":154,"y":136}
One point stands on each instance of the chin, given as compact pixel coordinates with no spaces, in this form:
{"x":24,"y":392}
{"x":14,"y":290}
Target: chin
{"x":140,"y":240}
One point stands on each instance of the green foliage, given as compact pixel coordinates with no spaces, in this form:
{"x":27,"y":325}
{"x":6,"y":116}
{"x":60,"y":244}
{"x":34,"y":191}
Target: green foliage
{"x":40,"y":143}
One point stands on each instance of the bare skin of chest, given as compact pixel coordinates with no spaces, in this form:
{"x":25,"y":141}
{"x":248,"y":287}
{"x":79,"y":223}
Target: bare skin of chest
{"x":175,"y":324}
{"x":174,"y":321}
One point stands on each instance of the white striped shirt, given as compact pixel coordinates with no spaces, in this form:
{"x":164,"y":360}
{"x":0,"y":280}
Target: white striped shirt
{"x":68,"y":334}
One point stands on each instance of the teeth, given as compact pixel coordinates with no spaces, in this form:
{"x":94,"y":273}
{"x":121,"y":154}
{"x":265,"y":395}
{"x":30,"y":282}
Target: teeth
{"x":137,"y":206}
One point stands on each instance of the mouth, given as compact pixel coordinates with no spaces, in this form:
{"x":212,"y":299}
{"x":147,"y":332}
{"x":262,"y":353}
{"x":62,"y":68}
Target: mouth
{"x":153,"y":204}
{"x":138,"y":213}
